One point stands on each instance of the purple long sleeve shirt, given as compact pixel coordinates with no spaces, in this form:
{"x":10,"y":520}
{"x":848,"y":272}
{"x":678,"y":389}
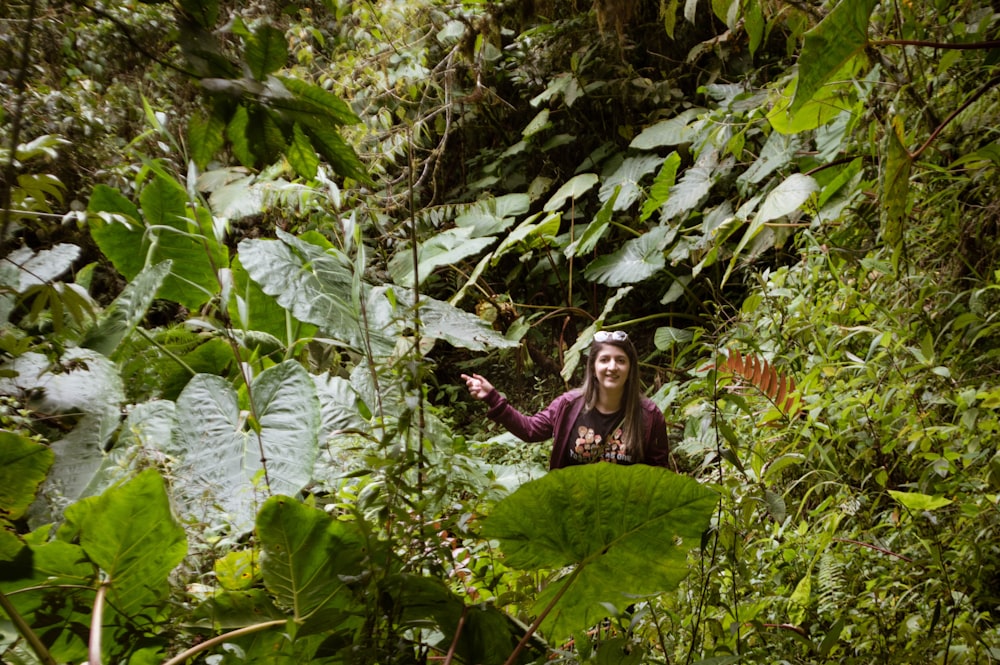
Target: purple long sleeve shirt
{"x":557,"y":419}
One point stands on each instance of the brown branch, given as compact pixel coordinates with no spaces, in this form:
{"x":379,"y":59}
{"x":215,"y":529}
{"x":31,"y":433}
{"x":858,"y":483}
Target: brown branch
{"x":970,"y":46}
{"x":873,"y":547}
{"x":979,"y":93}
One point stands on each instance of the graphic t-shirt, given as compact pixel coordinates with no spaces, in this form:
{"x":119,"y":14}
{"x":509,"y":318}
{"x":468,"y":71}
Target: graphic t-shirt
{"x":598,"y":438}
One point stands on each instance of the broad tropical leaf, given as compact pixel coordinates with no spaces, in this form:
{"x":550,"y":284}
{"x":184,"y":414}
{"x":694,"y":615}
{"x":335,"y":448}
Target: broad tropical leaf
{"x":638,"y":259}
{"x":219,"y":453}
{"x":127,"y":310}
{"x":267,"y":51}
{"x":442,"y":249}
{"x":23,"y":466}
{"x":86,"y":386}
{"x":670,"y":132}
{"x":130,"y":532}
{"x":840,"y":36}
{"x":308,"y":557}
{"x":625,"y":531}
{"x":627,"y":178}
{"x":571,"y":190}
{"x":168,"y":229}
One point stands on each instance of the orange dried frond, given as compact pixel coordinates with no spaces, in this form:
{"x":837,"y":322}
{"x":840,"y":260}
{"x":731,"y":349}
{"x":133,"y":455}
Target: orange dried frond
{"x":759,"y":373}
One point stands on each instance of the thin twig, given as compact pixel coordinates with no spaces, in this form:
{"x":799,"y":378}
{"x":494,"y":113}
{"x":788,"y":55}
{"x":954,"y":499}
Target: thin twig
{"x":225,"y":637}
{"x":873,"y":547}
{"x":25,"y":630}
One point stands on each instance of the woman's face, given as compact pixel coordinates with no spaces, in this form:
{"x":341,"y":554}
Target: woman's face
{"x":611,"y":367}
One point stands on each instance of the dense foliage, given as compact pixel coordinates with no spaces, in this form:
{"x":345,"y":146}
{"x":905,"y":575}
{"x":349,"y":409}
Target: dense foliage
{"x":249,"y":247}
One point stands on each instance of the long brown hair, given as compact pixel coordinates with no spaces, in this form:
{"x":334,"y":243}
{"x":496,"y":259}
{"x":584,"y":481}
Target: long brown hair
{"x":632,"y":424}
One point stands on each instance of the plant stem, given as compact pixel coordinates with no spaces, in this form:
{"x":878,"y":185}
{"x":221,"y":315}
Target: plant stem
{"x":96,"y":623}
{"x":25,"y":630}
{"x":225,"y":637}
{"x":458,"y":633}
{"x":541,"y":617}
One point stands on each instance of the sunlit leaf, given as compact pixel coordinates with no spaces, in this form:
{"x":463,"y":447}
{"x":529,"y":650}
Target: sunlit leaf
{"x":675,"y":131}
{"x":442,"y":249}
{"x":624,"y":530}
{"x":301,"y":154}
{"x":572,"y":189}
{"x":842,"y":34}
{"x":128,"y":309}
{"x":308,"y":557}
{"x":918,"y":501}
{"x":130,"y":532}
{"x":23,"y":466}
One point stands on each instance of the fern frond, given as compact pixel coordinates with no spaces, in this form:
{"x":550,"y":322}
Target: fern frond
{"x":777,"y":387}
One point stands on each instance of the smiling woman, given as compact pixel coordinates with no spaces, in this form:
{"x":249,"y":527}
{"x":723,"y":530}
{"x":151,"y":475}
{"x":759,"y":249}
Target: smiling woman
{"x":606,"y":419}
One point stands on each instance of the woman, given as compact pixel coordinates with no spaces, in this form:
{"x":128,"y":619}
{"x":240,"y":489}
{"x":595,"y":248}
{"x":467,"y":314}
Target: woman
{"x":606,"y":419}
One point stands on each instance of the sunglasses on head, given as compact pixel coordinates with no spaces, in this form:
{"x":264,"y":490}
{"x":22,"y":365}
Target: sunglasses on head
{"x":610,"y":336}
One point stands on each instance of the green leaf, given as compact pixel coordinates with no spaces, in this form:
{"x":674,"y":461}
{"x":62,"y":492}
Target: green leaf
{"x":604,"y":520}
{"x":626,"y":180}
{"x":840,"y":36}
{"x":666,"y":337}
{"x":301,"y":154}
{"x":920,"y":502}
{"x":638,"y":259}
{"x":129,"y":531}
{"x":786,"y":198}
{"x":341,"y":156}
{"x":332,"y":106}
{"x":308,"y":557}
{"x":595,"y":230}
{"x":895,"y":185}
{"x":660,"y":191}
{"x":693,"y":188}
{"x":128,"y":309}
{"x":219,"y":453}
{"x":85,"y":385}
{"x":236,"y":132}
{"x":167,"y":230}
{"x":441,"y":249}
{"x":206,"y":137}
{"x":267,"y":51}
{"x":675,"y":131}
{"x":493,"y":215}
{"x":23,"y":466}
{"x":572,"y":189}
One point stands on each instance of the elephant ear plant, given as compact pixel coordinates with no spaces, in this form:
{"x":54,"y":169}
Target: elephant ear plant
{"x":617,"y":533}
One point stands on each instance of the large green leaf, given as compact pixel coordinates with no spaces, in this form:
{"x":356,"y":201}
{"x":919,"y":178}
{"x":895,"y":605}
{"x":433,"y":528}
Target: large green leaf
{"x":65,"y":612}
{"x":130,"y":533}
{"x":675,"y":131}
{"x":441,"y":249}
{"x":573,"y":189}
{"x":626,"y":180}
{"x":219,"y":452}
{"x":694,"y":186}
{"x":267,"y":51}
{"x":332,"y":107}
{"x":316,"y":287}
{"x":840,"y":36}
{"x":86,"y":387}
{"x":638,"y":259}
{"x":493,"y":215}
{"x":23,"y":466}
{"x":308,"y":557}
{"x":127,"y":310}
{"x":625,"y":530}
{"x":168,"y":230}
